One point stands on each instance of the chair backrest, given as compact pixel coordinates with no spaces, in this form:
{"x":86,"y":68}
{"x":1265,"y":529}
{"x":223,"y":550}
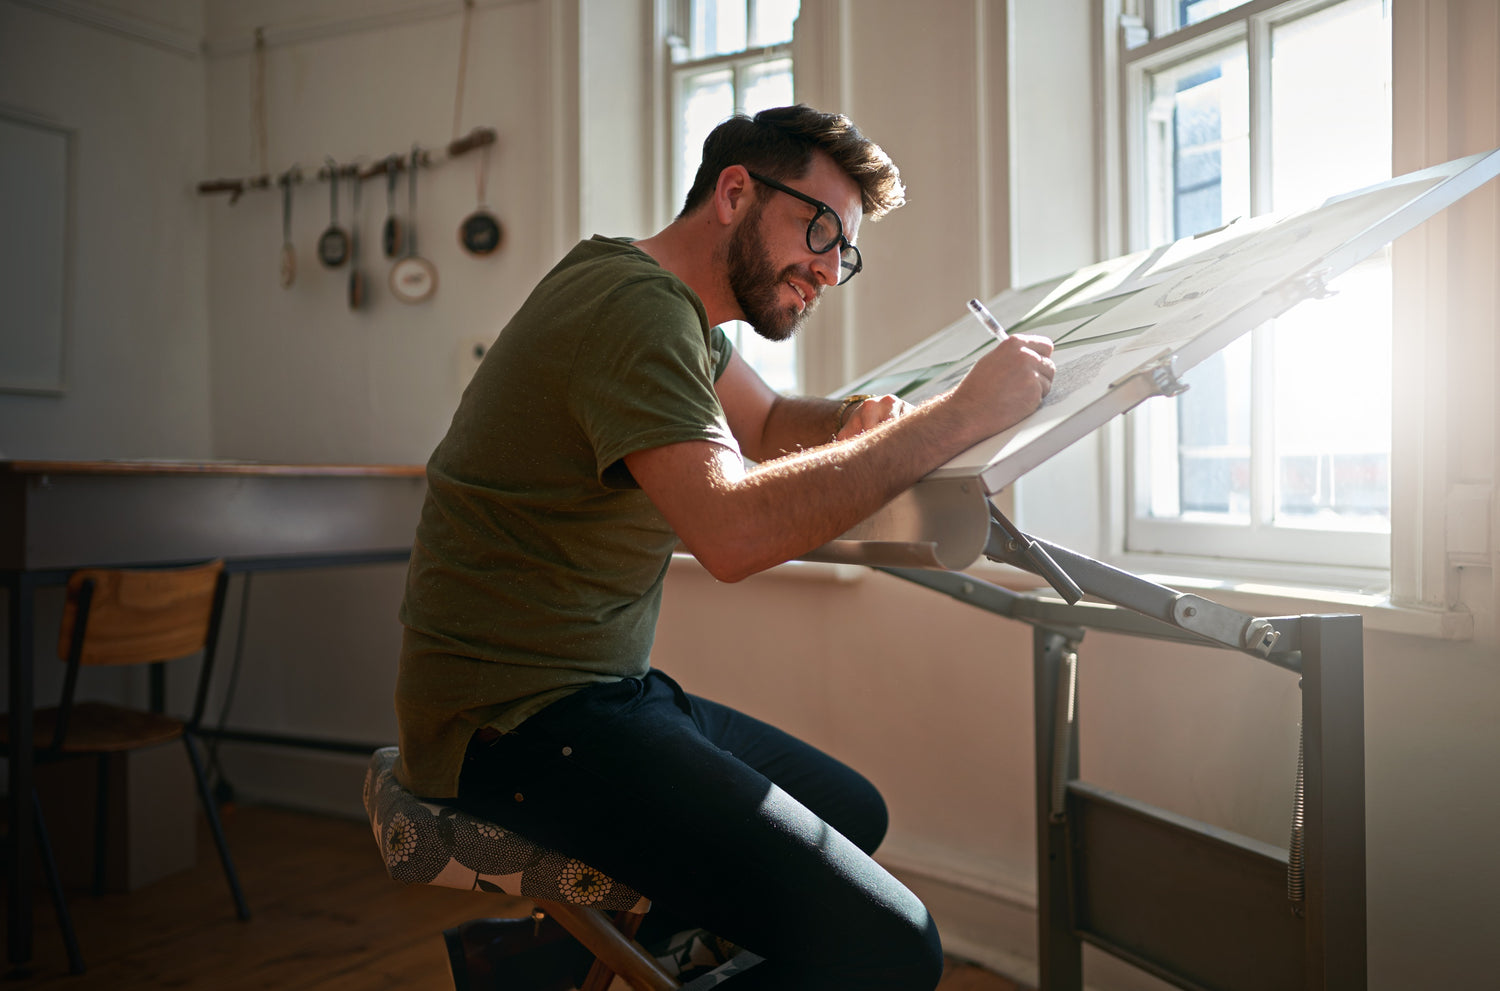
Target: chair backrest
{"x":139,"y":616}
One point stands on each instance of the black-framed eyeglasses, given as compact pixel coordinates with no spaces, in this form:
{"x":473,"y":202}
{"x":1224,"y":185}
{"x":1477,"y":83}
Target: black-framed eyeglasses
{"x":824,"y":232}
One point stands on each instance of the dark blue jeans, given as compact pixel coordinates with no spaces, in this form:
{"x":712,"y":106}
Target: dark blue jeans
{"x":724,"y":822}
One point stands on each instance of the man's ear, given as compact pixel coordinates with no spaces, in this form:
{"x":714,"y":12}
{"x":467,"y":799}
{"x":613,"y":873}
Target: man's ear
{"x":731,"y":193}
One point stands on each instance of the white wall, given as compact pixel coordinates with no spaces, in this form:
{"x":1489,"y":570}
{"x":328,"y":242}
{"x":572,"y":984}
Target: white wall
{"x":929,"y":698}
{"x":297,"y":374}
{"x":136,"y":351}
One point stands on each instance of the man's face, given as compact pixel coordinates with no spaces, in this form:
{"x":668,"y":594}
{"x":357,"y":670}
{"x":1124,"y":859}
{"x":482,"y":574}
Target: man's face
{"x":775,"y":278}
{"x":758,"y":285}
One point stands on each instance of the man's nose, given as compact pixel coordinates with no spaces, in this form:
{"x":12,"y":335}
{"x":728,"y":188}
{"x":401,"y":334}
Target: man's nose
{"x":827,"y":267}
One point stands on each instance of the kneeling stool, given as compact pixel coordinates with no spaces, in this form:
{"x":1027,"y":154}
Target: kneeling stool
{"x":425,"y":842}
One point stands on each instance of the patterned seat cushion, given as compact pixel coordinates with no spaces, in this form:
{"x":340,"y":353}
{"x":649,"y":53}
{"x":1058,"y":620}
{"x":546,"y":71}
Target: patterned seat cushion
{"x":425,"y":842}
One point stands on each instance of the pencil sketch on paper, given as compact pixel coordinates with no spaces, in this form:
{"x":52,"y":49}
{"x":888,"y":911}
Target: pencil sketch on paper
{"x":1169,"y":307}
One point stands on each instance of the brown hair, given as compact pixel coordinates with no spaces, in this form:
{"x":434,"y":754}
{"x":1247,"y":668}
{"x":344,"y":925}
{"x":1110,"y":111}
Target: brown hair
{"x":779,"y":143}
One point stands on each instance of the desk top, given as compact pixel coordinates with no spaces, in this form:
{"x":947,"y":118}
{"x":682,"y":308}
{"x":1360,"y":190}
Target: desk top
{"x":174,"y":467}
{"x":67,"y":514}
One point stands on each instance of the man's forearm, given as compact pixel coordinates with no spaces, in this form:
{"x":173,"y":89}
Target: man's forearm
{"x":787,"y":506}
{"x":796,"y":423}
{"x":737,"y":522}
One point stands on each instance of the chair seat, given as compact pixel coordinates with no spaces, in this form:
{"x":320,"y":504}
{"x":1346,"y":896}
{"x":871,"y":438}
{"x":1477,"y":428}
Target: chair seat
{"x":97,"y":727}
{"x":426,"y":842}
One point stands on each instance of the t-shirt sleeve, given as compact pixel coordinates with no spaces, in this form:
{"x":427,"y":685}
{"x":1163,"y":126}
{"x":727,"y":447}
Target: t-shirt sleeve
{"x":720,"y":350}
{"x":643,"y":377}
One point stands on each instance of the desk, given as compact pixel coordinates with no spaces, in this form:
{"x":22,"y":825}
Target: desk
{"x":57,"y":516}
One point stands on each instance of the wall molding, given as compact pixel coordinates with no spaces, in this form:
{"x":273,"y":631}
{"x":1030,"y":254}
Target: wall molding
{"x":224,"y":44}
{"x":162,"y":36}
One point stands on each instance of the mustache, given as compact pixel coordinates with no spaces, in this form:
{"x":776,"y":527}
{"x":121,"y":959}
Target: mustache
{"x":804,"y":274}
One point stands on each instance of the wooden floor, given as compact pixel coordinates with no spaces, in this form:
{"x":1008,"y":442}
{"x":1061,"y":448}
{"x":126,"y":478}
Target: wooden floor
{"x":325,"y":916}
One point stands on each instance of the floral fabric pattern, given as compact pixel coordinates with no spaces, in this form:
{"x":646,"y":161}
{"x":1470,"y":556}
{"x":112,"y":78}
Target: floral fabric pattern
{"x":429,"y":843}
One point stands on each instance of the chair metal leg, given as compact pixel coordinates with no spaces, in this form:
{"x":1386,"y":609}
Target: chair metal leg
{"x":211,"y":810}
{"x":54,"y":886}
{"x":101,"y":821}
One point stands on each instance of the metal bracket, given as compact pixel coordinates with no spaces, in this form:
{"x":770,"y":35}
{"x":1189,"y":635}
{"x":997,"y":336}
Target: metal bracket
{"x":1009,"y":544}
{"x":1163,"y":375}
{"x":1161,"y":371}
{"x":1312,"y":284}
{"x":1224,"y":625}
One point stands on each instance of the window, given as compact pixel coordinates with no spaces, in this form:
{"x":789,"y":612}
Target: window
{"x":731,"y":56}
{"x":1280,"y":450}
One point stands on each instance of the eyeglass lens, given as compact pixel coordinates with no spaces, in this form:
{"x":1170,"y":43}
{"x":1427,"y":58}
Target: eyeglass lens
{"x":824,"y":234}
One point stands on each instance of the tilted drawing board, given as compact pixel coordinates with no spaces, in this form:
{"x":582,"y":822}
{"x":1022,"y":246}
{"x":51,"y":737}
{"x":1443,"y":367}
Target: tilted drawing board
{"x":1124,"y":330}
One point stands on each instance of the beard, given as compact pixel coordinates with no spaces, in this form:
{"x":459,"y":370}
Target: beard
{"x":756,"y":283}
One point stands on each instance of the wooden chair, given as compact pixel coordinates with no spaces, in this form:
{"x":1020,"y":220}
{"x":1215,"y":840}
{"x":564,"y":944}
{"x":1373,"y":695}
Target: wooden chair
{"x":427,"y":842}
{"x":120,"y":617}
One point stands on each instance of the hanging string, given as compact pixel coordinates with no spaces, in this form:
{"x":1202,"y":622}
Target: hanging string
{"x":258,"y":103}
{"x":463,"y":67}
{"x":484,"y":169}
{"x":479,"y":137}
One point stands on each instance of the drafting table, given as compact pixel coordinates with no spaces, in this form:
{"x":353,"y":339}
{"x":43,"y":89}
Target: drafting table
{"x":1124,"y":331}
{"x":56,"y":516}
{"x":1202,"y":908}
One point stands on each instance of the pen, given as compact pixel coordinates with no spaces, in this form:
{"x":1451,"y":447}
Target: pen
{"x":987,"y":319}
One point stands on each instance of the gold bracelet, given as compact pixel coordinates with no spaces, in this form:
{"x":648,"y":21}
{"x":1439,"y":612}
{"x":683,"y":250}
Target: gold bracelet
{"x":849,"y":403}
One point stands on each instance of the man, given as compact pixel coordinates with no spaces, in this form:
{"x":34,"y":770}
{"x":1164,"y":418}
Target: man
{"x":610,"y":420}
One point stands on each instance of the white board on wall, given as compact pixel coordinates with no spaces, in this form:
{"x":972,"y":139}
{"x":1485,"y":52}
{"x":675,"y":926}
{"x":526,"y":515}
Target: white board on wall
{"x":35,"y":206}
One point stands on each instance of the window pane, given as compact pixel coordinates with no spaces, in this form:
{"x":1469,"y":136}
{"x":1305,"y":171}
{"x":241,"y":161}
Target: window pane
{"x":707,"y":98}
{"x":767,"y":84}
{"x":1331,"y":133}
{"x":1198,"y":444}
{"x":771,"y":21}
{"x":1331,"y":103}
{"x":1333,"y":405}
{"x":776,"y":361}
{"x":1198,"y":451}
{"x":1199,"y":147}
{"x":1193,"y":11}
{"x":718,"y":27}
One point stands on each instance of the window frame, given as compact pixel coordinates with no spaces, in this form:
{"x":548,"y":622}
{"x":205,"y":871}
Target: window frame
{"x":1360,"y":558}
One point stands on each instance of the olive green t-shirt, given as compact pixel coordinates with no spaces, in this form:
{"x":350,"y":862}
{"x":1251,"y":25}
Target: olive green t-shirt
{"x":538,"y":564}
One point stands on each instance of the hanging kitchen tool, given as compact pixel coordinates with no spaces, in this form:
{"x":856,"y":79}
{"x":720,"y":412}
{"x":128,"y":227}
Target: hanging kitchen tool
{"x":333,"y":246}
{"x":391,"y":233}
{"x":288,"y":253}
{"x":481,"y":233}
{"x":413,"y":278}
{"x":356,"y":277}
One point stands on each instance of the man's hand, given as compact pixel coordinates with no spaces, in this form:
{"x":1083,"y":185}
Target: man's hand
{"x":1006,"y":385}
{"x":869,"y":412}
